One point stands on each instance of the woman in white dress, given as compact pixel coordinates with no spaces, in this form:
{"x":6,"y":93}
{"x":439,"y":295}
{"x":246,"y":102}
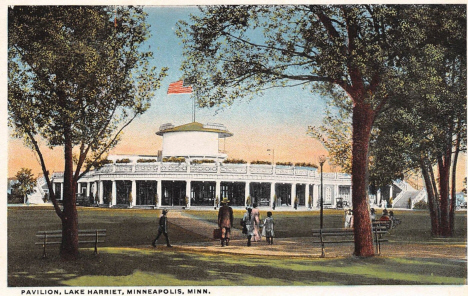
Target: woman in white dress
{"x":256,"y":236}
{"x":248,"y":222}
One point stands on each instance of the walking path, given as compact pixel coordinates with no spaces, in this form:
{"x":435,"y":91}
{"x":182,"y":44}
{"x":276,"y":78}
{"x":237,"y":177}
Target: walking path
{"x":300,"y":246}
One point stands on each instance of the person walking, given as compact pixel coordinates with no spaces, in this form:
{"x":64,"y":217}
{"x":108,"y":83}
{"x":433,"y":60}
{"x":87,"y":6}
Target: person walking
{"x":256,"y":236}
{"x":268,"y":228}
{"x":225,"y":220}
{"x":248,"y":223}
{"x":162,"y":229}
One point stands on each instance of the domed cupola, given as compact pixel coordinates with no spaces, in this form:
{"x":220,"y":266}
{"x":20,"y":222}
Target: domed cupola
{"x":193,"y":140}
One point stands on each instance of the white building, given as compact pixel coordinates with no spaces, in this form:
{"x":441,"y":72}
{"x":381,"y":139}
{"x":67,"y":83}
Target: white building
{"x":190,"y":171}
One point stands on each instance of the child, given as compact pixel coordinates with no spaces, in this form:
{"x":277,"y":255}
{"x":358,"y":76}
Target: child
{"x":268,"y":231}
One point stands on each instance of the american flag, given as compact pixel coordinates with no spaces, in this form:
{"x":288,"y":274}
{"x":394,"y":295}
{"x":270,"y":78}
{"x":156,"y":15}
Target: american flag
{"x":178,"y":88}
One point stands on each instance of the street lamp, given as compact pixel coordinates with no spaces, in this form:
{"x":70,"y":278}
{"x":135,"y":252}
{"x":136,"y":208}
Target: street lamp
{"x":273,"y":152}
{"x":322,"y":159}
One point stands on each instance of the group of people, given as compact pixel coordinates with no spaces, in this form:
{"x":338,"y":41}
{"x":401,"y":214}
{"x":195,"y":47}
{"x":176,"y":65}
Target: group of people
{"x":250,"y":224}
{"x":386,"y":216}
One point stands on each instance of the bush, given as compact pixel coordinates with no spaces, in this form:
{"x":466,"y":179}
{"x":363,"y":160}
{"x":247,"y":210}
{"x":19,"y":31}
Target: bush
{"x":174,"y":159}
{"x":123,"y":160}
{"x":234,"y":161}
{"x":260,"y":162}
{"x":200,"y":161}
{"x":284,"y":163}
{"x":420,"y":205}
{"x":304,"y":164}
{"x":142,"y":160}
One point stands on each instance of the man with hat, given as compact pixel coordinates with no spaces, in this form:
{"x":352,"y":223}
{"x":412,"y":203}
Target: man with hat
{"x":225,"y":220}
{"x":162,"y":229}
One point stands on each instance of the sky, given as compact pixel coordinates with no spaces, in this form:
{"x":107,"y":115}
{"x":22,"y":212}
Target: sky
{"x":277,"y":121}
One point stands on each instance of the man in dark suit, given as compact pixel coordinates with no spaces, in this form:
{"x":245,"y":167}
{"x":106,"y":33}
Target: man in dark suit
{"x":225,"y":220}
{"x":162,"y":229}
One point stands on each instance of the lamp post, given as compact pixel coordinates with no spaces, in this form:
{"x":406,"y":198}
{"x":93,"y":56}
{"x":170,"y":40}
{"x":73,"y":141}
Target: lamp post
{"x":273,"y":152}
{"x":322,"y":159}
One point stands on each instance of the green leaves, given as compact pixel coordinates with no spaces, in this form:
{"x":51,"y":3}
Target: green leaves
{"x":78,"y":69}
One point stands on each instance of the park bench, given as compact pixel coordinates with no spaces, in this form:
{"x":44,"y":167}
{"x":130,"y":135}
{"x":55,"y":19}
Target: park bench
{"x":346,"y":235}
{"x":54,"y":237}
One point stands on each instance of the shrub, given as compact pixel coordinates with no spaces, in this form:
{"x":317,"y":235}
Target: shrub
{"x":200,"y":161}
{"x":143,"y":160}
{"x":420,"y":205}
{"x":304,"y":164}
{"x":174,"y":159}
{"x":284,"y":163}
{"x":260,"y":162}
{"x":248,"y":201}
{"x":234,"y":161}
{"x":123,"y":160}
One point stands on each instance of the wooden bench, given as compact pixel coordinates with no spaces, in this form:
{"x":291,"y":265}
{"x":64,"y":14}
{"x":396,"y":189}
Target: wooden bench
{"x":346,"y":235}
{"x":54,"y":237}
{"x":379,"y":229}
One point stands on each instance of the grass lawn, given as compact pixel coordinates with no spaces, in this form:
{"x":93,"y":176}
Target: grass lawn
{"x":128,"y":260}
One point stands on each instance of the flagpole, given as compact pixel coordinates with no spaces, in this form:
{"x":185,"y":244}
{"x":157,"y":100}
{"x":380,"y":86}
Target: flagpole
{"x":193,"y":116}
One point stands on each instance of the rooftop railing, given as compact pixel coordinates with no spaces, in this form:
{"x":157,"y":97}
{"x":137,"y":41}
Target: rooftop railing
{"x":210,"y":168}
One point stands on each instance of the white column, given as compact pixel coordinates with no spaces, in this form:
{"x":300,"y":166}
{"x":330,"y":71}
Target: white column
{"x":316,"y":195}
{"x":88,"y":189}
{"x":335,"y":195}
{"x":188,"y":191}
{"x":159,"y":192}
{"x":134,"y":193}
{"x":379,"y":197}
{"x":306,"y":194}
{"x":114,"y":193}
{"x":79,"y":188}
{"x":247,"y":192}
{"x":61,"y":190}
{"x":391,"y":193}
{"x":218,"y":191}
{"x":293,"y":194}
{"x":95,"y":185}
{"x":101,"y":192}
{"x":272,"y":193}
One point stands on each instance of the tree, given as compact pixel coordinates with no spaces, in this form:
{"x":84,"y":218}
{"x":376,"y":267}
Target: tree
{"x":425,"y":126}
{"x":77,"y":78}
{"x":239,"y":51}
{"x":25,"y":183}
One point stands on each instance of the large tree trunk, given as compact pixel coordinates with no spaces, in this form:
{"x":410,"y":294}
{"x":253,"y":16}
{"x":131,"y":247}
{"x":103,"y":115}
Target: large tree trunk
{"x":69,"y":247}
{"x":445,"y":162}
{"x":363,"y":117}
{"x":453,"y":203}
{"x":431,"y":198}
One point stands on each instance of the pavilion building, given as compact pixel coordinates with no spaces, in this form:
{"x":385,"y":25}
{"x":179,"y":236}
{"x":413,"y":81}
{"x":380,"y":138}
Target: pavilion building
{"x":190,"y":171}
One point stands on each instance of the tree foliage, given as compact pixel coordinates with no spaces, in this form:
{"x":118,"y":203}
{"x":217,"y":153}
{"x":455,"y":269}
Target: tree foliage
{"x":356,"y":54}
{"x":239,"y":51}
{"x":25,"y":183}
{"x":426,"y":124}
{"x":77,"y":77}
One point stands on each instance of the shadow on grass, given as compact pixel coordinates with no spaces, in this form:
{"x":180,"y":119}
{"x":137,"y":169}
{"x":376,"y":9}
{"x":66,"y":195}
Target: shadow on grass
{"x":173,"y":267}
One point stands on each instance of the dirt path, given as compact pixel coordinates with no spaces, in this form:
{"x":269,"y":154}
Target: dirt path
{"x":303,"y":246}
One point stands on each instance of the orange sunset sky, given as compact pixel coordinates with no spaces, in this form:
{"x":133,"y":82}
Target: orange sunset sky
{"x":277,"y":120}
